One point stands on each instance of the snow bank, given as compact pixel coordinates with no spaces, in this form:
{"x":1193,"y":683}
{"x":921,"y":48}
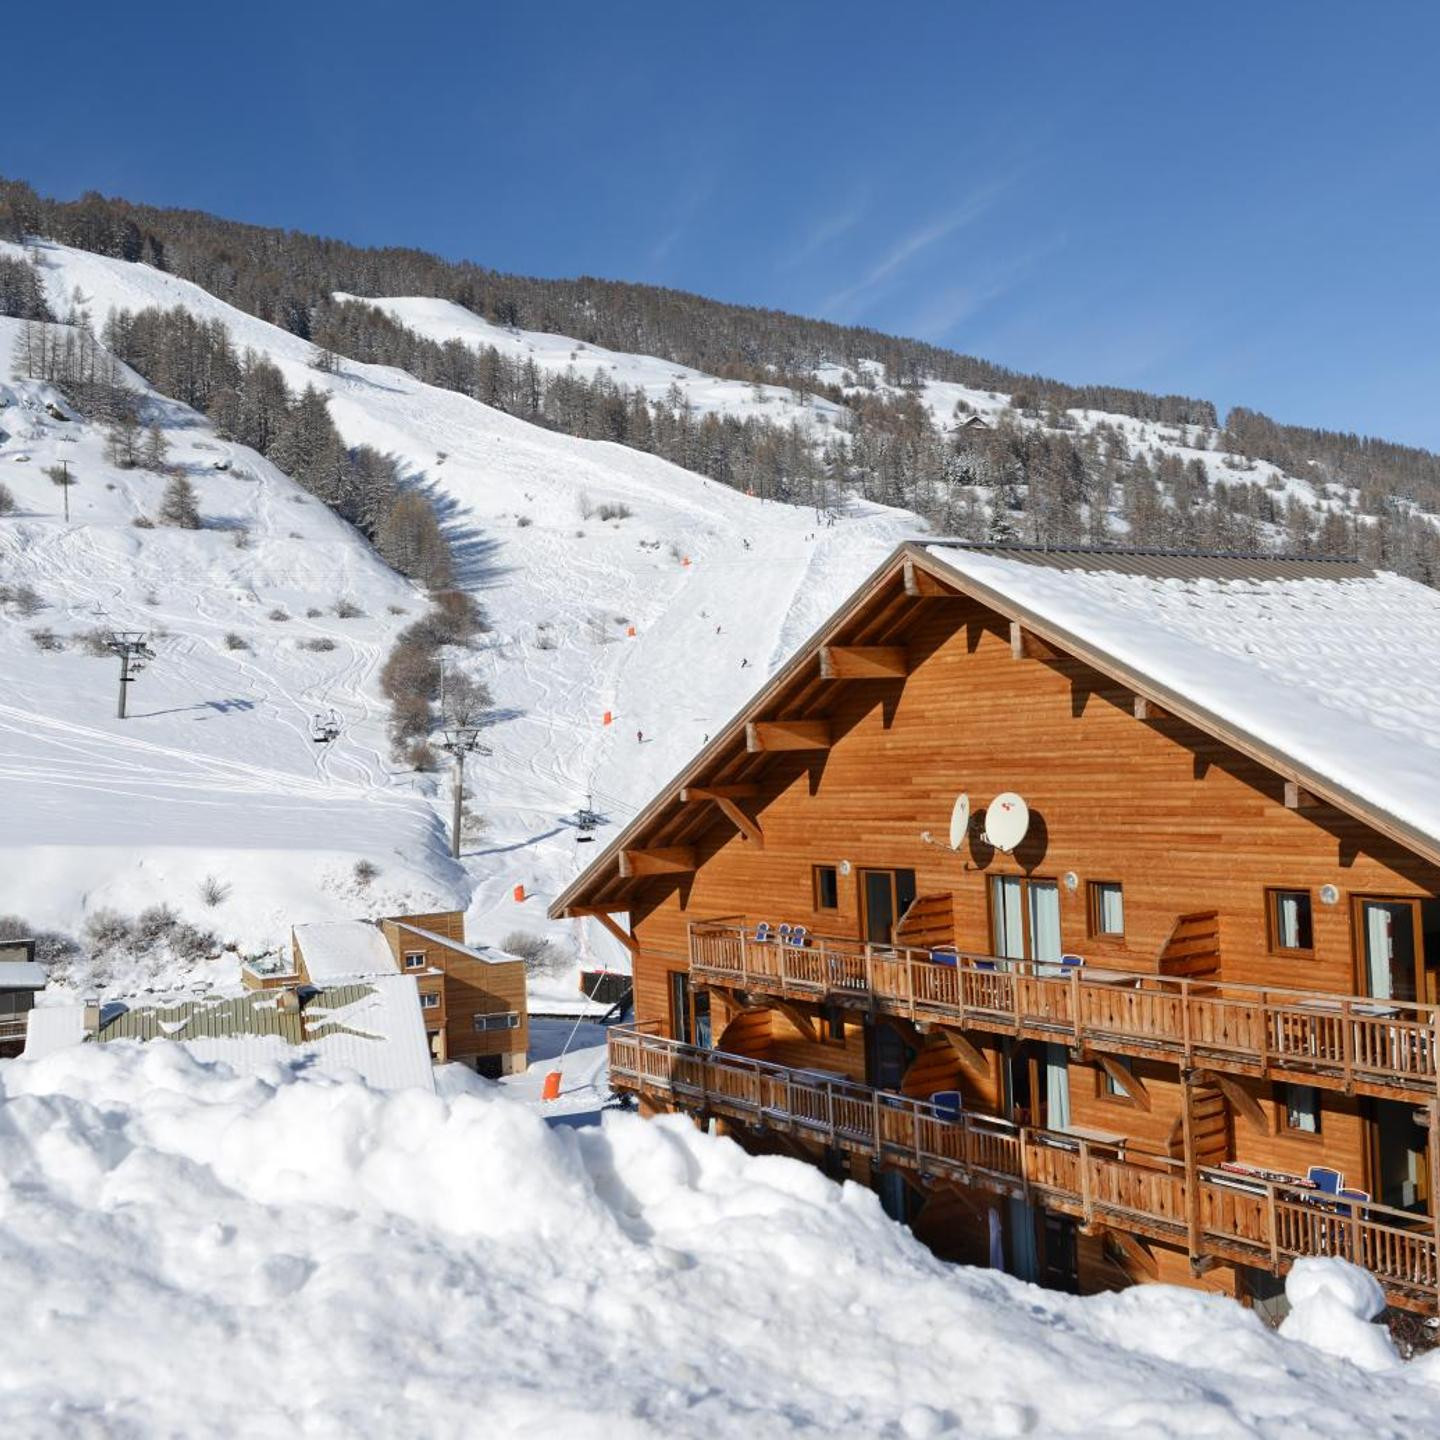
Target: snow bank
{"x":186,"y":1252}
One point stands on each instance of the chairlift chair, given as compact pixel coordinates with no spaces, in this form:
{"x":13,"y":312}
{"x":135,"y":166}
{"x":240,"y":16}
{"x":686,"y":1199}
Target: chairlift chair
{"x":324,"y":728}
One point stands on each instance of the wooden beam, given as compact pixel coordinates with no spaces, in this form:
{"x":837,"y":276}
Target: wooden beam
{"x":1137,"y":1252}
{"x":613,"y":926}
{"x":1026,"y":645}
{"x":1149,"y":710}
{"x":1126,"y":1079}
{"x":721,"y":796}
{"x":787,"y":735}
{"x":666,"y":860}
{"x":863,"y":662}
{"x":798,"y":1018}
{"x":971,"y":1055}
{"x":921,"y":583}
{"x":1240,"y":1100}
{"x":691,"y":794}
{"x":1298,"y":798}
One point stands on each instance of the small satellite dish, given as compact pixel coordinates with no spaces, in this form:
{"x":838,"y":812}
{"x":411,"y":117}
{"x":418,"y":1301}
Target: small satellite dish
{"x":1007,"y":818}
{"x":960,"y":821}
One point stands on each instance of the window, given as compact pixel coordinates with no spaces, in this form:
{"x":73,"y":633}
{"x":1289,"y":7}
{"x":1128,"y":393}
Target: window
{"x":429,"y":1002}
{"x":1110,"y":1088}
{"x":1107,"y":908}
{"x":827,"y":888}
{"x":1302,"y":1108}
{"x":835,"y":1029}
{"x":414,"y":959}
{"x":1025,"y":918}
{"x":1290,"y":927}
{"x":502,"y":1020}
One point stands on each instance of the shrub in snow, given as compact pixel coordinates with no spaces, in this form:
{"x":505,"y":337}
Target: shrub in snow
{"x":279,"y":613}
{"x":26,"y":599}
{"x":319,"y":642}
{"x":46,"y":639}
{"x":7,"y":501}
{"x":213,"y":891}
{"x":236,"y":642}
{"x":397,"y":609}
{"x":365,"y":871}
{"x":346,"y":609}
{"x":313,"y":613}
{"x":465,"y":700}
{"x":94,"y":642}
{"x":51,"y":946}
{"x":421,"y":756}
{"x":541,"y":955}
{"x":1332,"y":1303}
{"x":154,"y":928}
{"x":523,"y":521}
{"x":614,"y":511}
{"x":143,"y":522}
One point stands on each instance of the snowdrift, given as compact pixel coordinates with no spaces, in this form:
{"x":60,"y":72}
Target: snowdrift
{"x":309,"y":1256}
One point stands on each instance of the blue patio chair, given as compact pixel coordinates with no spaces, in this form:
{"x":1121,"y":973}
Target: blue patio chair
{"x":799,"y":935}
{"x":948,"y":1103}
{"x":1356,"y":1197}
{"x":1071,"y":962}
{"x":762,"y":933}
{"x":1324,"y":1179}
{"x":944,"y":957}
{"x":985,"y":965}
{"x":784,"y":934}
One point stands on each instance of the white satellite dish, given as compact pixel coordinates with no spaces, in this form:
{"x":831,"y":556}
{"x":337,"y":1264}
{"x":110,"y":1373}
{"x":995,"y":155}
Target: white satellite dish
{"x":1007,"y":818}
{"x":960,"y":821}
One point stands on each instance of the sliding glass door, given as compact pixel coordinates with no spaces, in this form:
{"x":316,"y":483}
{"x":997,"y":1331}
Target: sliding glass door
{"x":1025,"y":918}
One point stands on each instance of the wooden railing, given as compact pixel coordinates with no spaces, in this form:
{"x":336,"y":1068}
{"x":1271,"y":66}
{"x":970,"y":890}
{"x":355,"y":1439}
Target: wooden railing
{"x":1352,"y":1042}
{"x":13,"y":1028}
{"x":1236,"y":1217}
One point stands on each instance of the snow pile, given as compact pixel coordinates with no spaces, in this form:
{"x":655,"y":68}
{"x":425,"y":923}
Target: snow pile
{"x":316,"y":1258}
{"x":1332,"y":1303}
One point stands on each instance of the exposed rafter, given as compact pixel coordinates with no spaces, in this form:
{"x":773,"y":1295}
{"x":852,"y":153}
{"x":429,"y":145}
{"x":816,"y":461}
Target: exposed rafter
{"x":663,"y":860}
{"x":604,"y":916}
{"x":762,"y":735}
{"x":1126,"y":1079}
{"x":743,"y":791}
{"x":1027,"y":645}
{"x":863,"y":662}
{"x":1297,"y":797}
{"x":1241,"y":1101}
{"x":747,"y":825}
{"x":1149,"y":710}
{"x":921,"y":584}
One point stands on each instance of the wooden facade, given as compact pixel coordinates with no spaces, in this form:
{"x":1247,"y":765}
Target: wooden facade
{"x":1154,"y":1112}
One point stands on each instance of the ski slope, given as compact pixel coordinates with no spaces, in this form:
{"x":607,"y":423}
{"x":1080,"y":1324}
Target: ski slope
{"x":707,"y":577}
{"x":444,"y":320}
{"x":214,"y":773}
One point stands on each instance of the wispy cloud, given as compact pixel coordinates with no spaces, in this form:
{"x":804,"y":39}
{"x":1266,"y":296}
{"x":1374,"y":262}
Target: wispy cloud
{"x":684,"y":212}
{"x":827,"y":230}
{"x":853,"y":300}
{"x":943,"y":311}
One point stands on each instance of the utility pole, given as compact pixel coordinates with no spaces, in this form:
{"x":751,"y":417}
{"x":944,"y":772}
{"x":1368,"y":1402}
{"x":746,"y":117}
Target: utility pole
{"x":131,"y":647}
{"x":460,"y":740}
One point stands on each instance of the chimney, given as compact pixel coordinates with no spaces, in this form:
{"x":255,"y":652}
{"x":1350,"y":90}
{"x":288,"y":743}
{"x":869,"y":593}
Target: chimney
{"x":91,"y":1017}
{"x":287,"y":999}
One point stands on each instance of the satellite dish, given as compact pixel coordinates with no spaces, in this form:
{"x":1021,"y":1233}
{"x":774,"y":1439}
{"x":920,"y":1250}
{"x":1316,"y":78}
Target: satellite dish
{"x":1007,"y":818}
{"x":960,"y":821}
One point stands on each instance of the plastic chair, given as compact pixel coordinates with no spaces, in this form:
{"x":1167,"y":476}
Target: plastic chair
{"x":1325,"y":1180}
{"x":783,"y":934}
{"x":762,"y":933}
{"x":948,"y":1102}
{"x":1357,"y":1197}
{"x":1070,"y":962}
{"x":944,"y":957}
{"x":985,"y":965}
{"x":799,"y":935}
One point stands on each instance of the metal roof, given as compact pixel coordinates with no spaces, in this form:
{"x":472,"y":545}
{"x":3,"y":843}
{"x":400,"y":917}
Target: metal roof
{"x":255,"y":1014}
{"x":1163,"y":564}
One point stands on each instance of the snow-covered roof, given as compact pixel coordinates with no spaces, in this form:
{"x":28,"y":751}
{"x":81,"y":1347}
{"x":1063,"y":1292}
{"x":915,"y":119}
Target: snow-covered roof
{"x":486,"y":956}
{"x":21,"y":975}
{"x":342,"y":949}
{"x":374,"y":1030}
{"x":1331,"y":666}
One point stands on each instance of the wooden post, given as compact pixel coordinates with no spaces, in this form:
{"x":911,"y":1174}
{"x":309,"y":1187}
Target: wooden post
{"x":1435,"y":1180}
{"x":1087,"y":1201}
{"x":1185,"y":1021}
{"x":1075,"y":1001}
{"x":910,"y":983}
{"x":1274,"y":1240}
{"x":1347,"y":1045}
{"x":875,"y":1102}
{"x":1192,"y":1163}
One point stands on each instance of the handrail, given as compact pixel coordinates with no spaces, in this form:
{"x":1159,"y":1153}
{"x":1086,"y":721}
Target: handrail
{"x":1239,"y":1216}
{"x":1344,"y":1039}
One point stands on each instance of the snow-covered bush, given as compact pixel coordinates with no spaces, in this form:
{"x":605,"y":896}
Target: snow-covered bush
{"x":46,"y":639}
{"x":365,"y":871}
{"x":318,"y":642}
{"x":541,"y":955}
{"x":213,"y":890}
{"x":51,"y":946}
{"x":236,"y":642}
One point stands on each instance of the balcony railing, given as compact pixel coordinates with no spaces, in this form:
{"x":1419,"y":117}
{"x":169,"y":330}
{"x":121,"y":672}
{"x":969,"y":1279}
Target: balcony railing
{"x":1239,"y":1218}
{"x":1349,"y":1042}
{"x":13,"y":1029}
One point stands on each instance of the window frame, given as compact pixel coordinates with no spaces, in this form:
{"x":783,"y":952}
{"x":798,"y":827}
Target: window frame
{"x":418,"y":958}
{"x":1027,"y":940}
{"x":1103,"y":1083}
{"x":1282,"y":1101}
{"x":429,"y":999}
{"x":482,"y":1020}
{"x":1272,"y":920}
{"x":816,"y":894}
{"x":1093,"y":909}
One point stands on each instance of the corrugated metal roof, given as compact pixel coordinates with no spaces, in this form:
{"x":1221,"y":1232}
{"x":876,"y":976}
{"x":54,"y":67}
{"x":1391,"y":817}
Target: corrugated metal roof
{"x":1162,"y":564}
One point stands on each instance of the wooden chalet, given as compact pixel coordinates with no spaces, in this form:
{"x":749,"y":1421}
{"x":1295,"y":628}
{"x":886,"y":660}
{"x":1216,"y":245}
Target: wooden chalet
{"x":1184,"y":1029}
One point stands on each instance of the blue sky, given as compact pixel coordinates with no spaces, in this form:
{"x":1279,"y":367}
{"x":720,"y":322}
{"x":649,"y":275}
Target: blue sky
{"x":1235,"y":201}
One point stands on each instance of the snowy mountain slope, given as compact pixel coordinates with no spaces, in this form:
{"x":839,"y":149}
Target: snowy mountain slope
{"x":563,"y":587}
{"x":214,"y":772}
{"x":439,"y":1265}
{"x":443,"y":320}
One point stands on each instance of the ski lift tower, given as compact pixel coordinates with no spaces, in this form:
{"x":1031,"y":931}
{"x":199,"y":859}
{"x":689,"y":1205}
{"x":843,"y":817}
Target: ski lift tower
{"x":460,"y":741}
{"x":133,"y":649}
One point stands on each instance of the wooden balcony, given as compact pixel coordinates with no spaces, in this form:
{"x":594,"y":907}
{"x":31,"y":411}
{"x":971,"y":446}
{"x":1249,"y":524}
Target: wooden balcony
{"x":13,"y":1029}
{"x":1341,"y":1042}
{"x":1220,"y":1215}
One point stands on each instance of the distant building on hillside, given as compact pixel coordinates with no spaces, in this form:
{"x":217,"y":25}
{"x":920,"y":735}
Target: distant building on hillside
{"x":20,"y":980}
{"x":1083,"y":903}
{"x":472,"y":999}
{"x":369,"y":1028}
